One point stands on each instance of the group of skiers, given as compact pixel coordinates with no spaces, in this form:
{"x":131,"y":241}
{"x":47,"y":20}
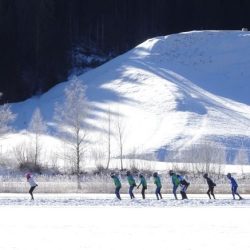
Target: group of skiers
{"x":177,"y":181}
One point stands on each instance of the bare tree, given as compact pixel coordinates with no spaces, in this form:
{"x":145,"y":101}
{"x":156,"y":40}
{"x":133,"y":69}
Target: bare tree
{"x":109,"y":139}
{"x":37,"y":127}
{"x":98,"y":154}
{"x":71,"y":116}
{"x":120,"y":133}
{"x":22,"y":154}
{"x":205,"y":157}
{"x":241,"y":157}
{"x":6,"y":117}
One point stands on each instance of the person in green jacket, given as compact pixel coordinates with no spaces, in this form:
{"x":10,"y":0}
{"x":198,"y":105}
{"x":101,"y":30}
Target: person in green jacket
{"x":157,"y":182}
{"x":143,"y":182}
{"x":118,"y":185}
{"x":132,"y":184}
{"x":175,"y":181}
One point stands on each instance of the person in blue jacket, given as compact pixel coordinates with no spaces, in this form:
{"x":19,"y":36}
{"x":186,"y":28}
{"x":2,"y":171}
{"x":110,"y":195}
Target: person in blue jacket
{"x":118,"y":185}
{"x":234,"y":186}
{"x":132,"y":184}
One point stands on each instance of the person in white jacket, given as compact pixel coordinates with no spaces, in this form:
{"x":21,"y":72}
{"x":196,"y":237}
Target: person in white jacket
{"x":32,"y":183}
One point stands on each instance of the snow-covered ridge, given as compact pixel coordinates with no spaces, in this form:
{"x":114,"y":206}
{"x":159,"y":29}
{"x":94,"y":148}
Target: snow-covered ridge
{"x":169,"y":92}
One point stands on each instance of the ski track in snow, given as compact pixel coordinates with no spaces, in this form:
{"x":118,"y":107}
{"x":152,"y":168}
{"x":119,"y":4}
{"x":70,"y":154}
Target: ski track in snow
{"x":102,"y":200}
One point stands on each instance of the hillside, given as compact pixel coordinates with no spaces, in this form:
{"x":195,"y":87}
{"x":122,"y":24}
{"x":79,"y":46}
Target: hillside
{"x":168,"y":93}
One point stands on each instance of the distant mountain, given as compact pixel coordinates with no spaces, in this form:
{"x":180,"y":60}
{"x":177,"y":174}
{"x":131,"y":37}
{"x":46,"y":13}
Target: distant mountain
{"x":168,"y":93}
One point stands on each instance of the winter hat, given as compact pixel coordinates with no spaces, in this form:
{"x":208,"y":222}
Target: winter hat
{"x":28,"y":175}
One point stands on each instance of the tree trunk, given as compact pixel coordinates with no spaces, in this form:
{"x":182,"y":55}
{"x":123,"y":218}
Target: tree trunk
{"x":78,"y":162}
{"x":109,"y":151}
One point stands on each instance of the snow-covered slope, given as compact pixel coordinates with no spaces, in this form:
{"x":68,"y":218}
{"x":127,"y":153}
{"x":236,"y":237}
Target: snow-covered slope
{"x":167,"y":94}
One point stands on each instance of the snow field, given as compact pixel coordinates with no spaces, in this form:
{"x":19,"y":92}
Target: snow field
{"x":112,"y":228}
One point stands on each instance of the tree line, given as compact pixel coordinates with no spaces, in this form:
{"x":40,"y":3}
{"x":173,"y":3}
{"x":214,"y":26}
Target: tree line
{"x":40,"y":40}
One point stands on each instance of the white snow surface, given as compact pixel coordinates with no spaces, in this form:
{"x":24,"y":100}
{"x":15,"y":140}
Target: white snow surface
{"x":123,"y":226}
{"x":168,"y":93}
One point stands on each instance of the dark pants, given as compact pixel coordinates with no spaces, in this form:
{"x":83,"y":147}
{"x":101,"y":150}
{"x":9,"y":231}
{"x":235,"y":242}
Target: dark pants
{"x":183,"y":195}
{"x":31,"y":191}
{"x":143,"y":192}
{"x":174,"y":191}
{"x":210,"y":191}
{"x":130,"y":191}
{"x":184,"y":187}
{"x":158,"y":193}
{"x":117,"y":192}
{"x":234,"y":192}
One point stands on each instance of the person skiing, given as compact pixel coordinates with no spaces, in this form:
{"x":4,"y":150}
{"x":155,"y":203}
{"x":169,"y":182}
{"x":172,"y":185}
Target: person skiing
{"x":184,"y":185}
{"x":118,"y":185}
{"x":157,"y":182}
{"x":175,"y":181}
{"x":211,"y":186}
{"x":132,"y":184}
{"x":234,"y":186}
{"x":143,"y":182}
{"x":32,"y":183}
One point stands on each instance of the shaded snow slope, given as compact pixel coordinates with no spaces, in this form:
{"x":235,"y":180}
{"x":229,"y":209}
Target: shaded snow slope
{"x":169,"y":92}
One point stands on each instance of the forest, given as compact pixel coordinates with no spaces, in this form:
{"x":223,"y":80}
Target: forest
{"x":43,"y":42}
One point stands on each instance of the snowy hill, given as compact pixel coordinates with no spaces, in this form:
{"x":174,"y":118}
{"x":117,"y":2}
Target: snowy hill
{"x":167,"y":94}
